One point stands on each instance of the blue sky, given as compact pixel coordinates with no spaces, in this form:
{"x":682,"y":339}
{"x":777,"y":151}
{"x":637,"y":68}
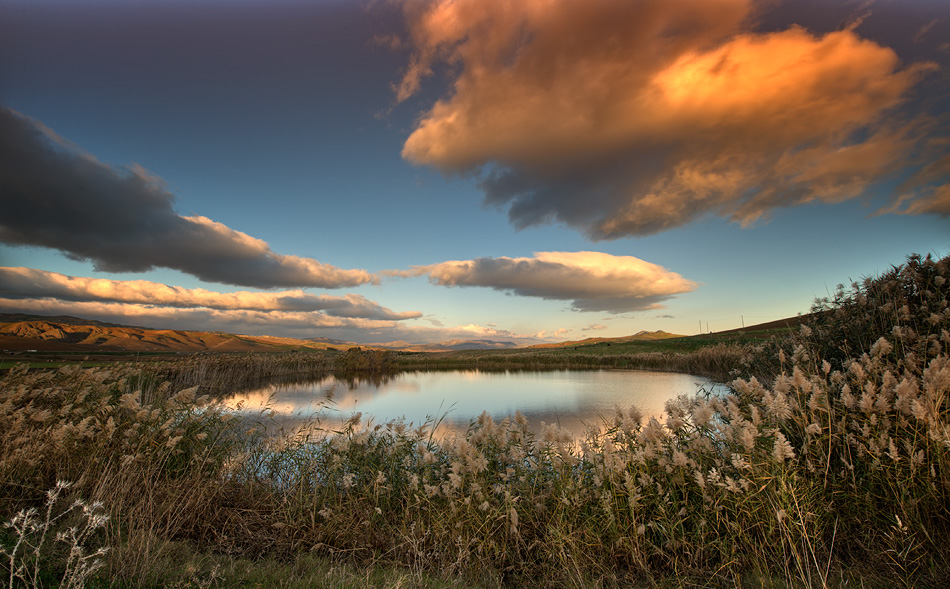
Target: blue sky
{"x":433,"y":170}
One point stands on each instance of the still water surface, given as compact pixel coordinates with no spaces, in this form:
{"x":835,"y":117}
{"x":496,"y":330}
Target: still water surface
{"x":571,"y":398}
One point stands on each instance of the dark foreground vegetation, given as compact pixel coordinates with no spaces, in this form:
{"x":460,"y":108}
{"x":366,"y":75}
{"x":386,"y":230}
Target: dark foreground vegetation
{"x":828,"y":465}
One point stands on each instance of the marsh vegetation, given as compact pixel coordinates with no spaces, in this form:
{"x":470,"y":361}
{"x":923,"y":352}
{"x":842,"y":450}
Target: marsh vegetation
{"x":827,"y":464}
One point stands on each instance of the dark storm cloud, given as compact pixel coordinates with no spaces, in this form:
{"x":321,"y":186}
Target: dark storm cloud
{"x":57,"y":196}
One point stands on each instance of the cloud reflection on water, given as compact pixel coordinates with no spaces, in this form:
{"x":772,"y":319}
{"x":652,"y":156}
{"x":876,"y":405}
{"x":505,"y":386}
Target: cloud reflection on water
{"x":574,"y":399}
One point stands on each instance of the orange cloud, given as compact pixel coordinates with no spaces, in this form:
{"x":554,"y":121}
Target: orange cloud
{"x":593,"y":281}
{"x":625,"y":118}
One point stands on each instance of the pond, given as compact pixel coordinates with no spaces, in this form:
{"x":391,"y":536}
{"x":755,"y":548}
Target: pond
{"x":571,"y":398}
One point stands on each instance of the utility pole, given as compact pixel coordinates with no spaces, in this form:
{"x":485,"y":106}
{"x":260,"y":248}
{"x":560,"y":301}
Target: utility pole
{"x":700,"y":326}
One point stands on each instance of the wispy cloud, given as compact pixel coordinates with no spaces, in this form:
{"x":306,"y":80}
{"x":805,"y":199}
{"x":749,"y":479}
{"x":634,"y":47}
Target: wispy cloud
{"x":292,"y":313}
{"x":594,"y":327}
{"x":592,"y":281}
{"x":55,"y":195}
{"x":28,"y":283}
{"x":630,"y":118}
{"x":249,"y":321}
{"x":255,"y":322}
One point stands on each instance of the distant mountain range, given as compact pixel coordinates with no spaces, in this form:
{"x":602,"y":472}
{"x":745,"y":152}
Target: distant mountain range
{"x":64,"y":333}
{"x":639,"y":336}
{"x":450,"y":346}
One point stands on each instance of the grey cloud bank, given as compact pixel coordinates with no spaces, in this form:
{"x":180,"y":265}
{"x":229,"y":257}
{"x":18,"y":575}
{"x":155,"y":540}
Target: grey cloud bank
{"x":55,"y":195}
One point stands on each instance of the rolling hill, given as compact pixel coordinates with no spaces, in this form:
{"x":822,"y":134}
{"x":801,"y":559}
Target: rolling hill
{"x":639,"y":336}
{"x":20,"y":332}
{"x":75,"y":334}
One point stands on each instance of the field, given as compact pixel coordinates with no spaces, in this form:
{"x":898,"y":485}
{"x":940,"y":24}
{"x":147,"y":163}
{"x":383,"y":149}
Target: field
{"x":827,"y":465}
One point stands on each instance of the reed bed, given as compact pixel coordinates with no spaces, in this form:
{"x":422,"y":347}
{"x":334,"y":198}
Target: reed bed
{"x":718,"y":362}
{"x":827,"y":465}
{"x":217,"y":374}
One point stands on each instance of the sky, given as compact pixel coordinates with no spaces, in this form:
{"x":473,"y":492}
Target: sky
{"x":436,"y":170}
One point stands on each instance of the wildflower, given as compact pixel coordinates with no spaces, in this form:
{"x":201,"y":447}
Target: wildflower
{"x":782,"y":449}
{"x":731,"y":485}
{"x":880,"y":348}
{"x":747,"y":437}
{"x":635,"y":415}
{"x":777,"y":404}
{"x":478,"y":463}
{"x":740,"y":462}
{"x":858,"y":370}
{"x":798,"y":377}
{"x":653,"y":431}
{"x":800,"y":355}
{"x":455,"y":481}
{"x":702,"y":414}
{"x":485,"y":420}
{"x":679,"y":459}
{"x":130,"y":401}
{"x":698,"y":476}
{"x":846,"y":397}
{"x":354,"y":420}
{"x":892,"y":450}
{"x":348,"y":479}
{"x":186,"y":396}
{"x":867,"y":398}
{"x":756,"y":416}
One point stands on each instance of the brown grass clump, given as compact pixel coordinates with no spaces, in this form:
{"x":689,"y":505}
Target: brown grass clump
{"x":831,"y":468}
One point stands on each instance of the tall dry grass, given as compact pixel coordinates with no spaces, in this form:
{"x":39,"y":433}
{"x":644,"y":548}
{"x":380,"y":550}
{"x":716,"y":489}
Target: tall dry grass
{"x":829,"y":467}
